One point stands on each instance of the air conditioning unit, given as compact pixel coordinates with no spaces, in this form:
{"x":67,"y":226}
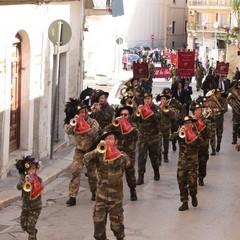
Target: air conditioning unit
{"x":191,"y":12}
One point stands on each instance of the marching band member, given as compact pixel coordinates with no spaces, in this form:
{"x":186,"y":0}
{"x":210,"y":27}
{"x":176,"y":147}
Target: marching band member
{"x":147,"y":118}
{"x":235,"y":110}
{"x":167,"y":114}
{"x":102,"y":111}
{"x":179,"y":109}
{"x":84,"y":130}
{"x":126,"y":142}
{"x":187,"y":172}
{"x":202,"y":126}
{"x":222,"y":107}
{"x":110,"y":164}
{"x":31,"y":186}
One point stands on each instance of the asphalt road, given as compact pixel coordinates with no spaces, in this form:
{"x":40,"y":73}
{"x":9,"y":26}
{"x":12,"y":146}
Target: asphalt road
{"x":155,"y":215}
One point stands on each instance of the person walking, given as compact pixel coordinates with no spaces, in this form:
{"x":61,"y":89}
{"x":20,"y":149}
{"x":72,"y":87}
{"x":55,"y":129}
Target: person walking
{"x":110,"y":164}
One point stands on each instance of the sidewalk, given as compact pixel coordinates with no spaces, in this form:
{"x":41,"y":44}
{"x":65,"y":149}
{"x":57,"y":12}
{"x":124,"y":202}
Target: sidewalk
{"x":51,"y":169}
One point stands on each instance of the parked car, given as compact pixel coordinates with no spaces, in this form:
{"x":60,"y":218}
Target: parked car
{"x":131,"y":58}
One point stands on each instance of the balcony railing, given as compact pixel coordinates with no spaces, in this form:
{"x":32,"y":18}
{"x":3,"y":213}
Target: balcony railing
{"x":207,"y":28}
{"x":98,"y":7}
{"x":209,"y":3}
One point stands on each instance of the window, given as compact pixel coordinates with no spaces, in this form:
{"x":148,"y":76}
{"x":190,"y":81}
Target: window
{"x":173,"y":26}
{"x":174,"y":1}
{"x":173,"y":44}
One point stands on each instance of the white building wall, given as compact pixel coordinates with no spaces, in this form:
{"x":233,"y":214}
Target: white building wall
{"x":32,"y":22}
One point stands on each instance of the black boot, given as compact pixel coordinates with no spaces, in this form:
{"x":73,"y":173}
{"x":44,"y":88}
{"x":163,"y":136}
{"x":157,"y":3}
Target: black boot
{"x":174,"y":147}
{"x":93,"y":198}
{"x":71,"y":201}
{"x":133,"y":194}
{"x":36,"y":234}
{"x":140,"y":180}
{"x":156,"y":175}
{"x":234,"y":141}
{"x":165,"y":157}
{"x":218,"y":147}
{"x":213,"y":152}
{"x":194,"y":201}
{"x":183,"y":207}
{"x":200,"y":182}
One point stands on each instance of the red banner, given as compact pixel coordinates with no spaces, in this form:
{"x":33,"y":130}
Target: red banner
{"x":173,"y":58}
{"x":185,"y":63}
{"x":162,"y":72}
{"x":222,"y":68}
{"x":140,"y":70}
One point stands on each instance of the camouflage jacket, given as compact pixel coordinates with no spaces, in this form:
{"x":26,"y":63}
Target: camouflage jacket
{"x":149,"y":126}
{"x":173,"y":73}
{"x":200,"y":72}
{"x":28,"y":203}
{"x":104,"y":116}
{"x":126,"y":142}
{"x":222,"y":101}
{"x":178,"y":108}
{"x":188,"y":152}
{"x":165,"y":119}
{"x":110,"y":174}
{"x":84,"y":141}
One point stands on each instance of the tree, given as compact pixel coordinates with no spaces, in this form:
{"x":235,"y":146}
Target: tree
{"x":236,"y":10}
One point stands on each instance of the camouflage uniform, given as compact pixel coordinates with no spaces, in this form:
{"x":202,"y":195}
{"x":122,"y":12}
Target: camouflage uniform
{"x":104,"y":116}
{"x":31,"y":210}
{"x":109,"y":193}
{"x":173,"y":74}
{"x":187,"y":172}
{"x":180,"y":113}
{"x":151,"y":72}
{"x":148,"y":140}
{"x":127,"y":143}
{"x":236,"y":125}
{"x":199,"y":75}
{"x":203,"y":154}
{"x":165,"y":129}
{"x":219,"y":119}
{"x":83,"y":144}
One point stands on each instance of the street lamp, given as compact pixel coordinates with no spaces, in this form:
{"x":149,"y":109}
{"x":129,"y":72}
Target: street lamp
{"x":215,"y":28}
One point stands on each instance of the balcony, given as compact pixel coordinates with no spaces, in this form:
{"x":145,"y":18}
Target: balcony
{"x":98,"y":7}
{"x":210,"y":4}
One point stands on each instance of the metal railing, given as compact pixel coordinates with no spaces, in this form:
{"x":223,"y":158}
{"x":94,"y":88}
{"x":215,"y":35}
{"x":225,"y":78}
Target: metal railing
{"x":209,"y":3}
{"x":207,"y":28}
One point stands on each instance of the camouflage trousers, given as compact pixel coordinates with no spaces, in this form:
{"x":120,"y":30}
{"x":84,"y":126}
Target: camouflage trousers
{"x":148,"y":144}
{"x":102,"y":208}
{"x":77,"y":166}
{"x":29,"y":220}
{"x":163,"y":143}
{"x":219,"y":129}
{"x":203,"y":157}
{"x":130,"y":174}
{"x":212,"y":135}
{"x":198,"y":82}
{"x":187,"y":174}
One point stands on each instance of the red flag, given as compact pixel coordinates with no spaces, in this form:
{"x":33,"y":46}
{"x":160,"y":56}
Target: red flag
{"x":140,"y":70}
{"x":190,"y":135}
{"x":111,"y":153}
{"x":185,"y":63}
{"x":222,"y":68}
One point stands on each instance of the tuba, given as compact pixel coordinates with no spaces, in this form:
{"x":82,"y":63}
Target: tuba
{"x":216,"y":103}
{"x":234,"y":99}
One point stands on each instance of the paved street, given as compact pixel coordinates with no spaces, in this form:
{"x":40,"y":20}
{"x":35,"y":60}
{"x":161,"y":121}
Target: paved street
{"x":155,"y":215}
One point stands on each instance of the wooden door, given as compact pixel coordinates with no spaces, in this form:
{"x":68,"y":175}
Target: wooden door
{"x":14,"y":141}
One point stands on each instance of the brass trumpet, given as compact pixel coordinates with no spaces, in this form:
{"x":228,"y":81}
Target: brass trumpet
{"x":129,"y":102}
{"x":101,"y":147}
{"x":27,"y":186}
{"x":166,"y":108}
{"x":73,"y":122}
{"x":115,"y":123}
{"x":181,"y":133}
